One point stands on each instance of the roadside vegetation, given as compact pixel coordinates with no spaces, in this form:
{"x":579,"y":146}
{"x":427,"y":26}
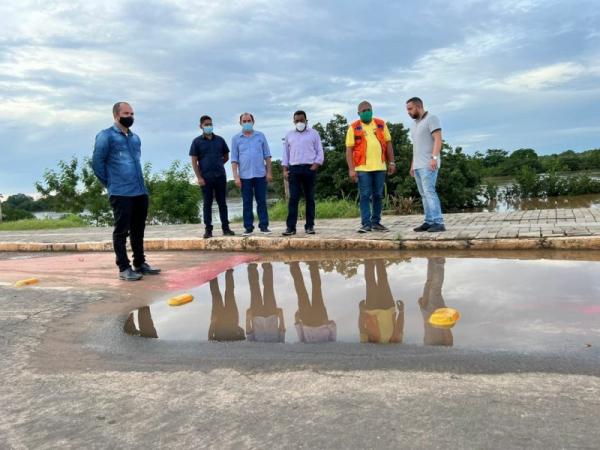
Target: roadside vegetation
{"x":467,"y":181}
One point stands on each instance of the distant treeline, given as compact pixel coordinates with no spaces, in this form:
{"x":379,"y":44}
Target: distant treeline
{"x":73,"y":188}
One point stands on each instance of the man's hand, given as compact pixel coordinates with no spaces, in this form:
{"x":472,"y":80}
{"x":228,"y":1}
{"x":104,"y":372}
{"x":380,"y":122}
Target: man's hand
{"x":269,"y":177}
{"x":286,"y":173}
{"x":433,"y":164}
{"x":391,"y":169}
{"x":314,"y":167}
{"x":238,"y":182}
{"x":412,"y":171}
{"x":352,"y":175}
{"x":200,"y":181}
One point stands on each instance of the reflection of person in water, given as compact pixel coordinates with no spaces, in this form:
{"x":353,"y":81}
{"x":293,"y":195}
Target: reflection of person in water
{"x":312,"y":323}
{"x":380,"y":320}
{"x":224,"y":321}
{"x":145,"y":322}
{"x":264,"y":320}
{"x":431,"y":300}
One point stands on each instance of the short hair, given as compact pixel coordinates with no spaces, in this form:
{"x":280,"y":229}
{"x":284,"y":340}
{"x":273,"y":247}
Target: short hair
{"x":117,"y":107}
{"x":416,"y":100}
{"x":364,"y":102}
{"x":299,"y":113}
{"x":246,"y":114}
{"x":204,"y":118}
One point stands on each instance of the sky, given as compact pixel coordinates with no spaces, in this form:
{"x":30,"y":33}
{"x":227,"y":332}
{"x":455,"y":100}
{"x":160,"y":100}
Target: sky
{"x":505,"y":74}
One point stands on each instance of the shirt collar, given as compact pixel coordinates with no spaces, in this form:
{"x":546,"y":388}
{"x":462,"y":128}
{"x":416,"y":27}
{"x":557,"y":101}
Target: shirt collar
{"x":118,"y":130}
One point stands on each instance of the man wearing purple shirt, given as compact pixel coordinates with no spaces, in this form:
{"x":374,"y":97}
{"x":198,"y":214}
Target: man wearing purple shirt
{"x":302,"y":156}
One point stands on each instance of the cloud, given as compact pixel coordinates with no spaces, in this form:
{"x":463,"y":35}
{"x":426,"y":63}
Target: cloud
{"x":544,"y":77}
{"x":63,"y":64}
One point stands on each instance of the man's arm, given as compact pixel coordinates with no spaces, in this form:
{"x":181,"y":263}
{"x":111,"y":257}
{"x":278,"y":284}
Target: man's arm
{"x":390,"y":158}
{"x":99,"y":158}
{"x":225,"y":152}
{"x":285,"y":158}
{"x":235,"y":154}
{"x":269,"y":169}
{"x":437,"y":147}
{"x":350,"y":161}
{"x":197,"y":171}
{"x":319,"y":155}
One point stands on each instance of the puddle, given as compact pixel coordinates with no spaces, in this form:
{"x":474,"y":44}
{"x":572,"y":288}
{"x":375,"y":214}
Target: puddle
{"x":505,"y":304}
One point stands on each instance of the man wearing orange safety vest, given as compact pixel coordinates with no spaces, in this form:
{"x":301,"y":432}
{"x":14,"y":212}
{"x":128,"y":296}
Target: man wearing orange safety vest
{"x":369,"y":153}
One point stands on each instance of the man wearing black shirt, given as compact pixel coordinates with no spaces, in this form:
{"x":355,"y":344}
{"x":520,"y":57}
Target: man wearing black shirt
{"x":209,"y":154}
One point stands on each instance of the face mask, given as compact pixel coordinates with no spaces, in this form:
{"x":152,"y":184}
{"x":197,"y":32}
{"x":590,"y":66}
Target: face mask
{"x":247,"y":126}
{"x":207,"y":130}
{"x":301,"y":126}
{"x":126,"y":121}
{"x":366,"y":116}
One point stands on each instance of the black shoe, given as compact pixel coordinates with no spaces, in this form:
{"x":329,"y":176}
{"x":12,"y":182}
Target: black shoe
{"x":288,"y":232}
{"x":228,"y":232}
{"x":146,"y":269}
{"x":265,"y":231}
{"x":207,"y":234}
{"x":364,"y":229}
{"x":309,"y":230}
{"x":424,"y":227}
{"x":436,"y":228}
{"x":379,"y":227}
{"x":129,"y":275}
{"x":247,"y":232}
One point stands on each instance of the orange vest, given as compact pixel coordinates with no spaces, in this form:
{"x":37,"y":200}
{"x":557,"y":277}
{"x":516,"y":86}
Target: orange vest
{"x":359,"y":152}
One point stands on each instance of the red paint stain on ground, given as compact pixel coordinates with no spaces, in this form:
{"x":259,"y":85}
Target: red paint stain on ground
{"x":181,"y":270}
{"x":196,"y":276}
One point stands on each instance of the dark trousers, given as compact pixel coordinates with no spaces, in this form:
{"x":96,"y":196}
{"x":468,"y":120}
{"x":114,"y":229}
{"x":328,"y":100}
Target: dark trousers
{"x":302,"y":180}
{"x":130,"y":220}
{"x":257,"y":188}
{"x":215,"y":188}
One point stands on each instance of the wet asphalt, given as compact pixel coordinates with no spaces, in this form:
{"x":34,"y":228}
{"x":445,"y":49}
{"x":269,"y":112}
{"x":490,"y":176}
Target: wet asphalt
{"x":72,"y":379}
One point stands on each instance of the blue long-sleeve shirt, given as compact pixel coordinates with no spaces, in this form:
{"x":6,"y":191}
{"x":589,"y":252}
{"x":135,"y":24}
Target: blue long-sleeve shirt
{"x":116,"y":162}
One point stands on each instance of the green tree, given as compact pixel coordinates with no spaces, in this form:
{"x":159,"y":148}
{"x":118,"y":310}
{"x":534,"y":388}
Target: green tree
{"x":173,"y":199}
{"x":63,"y":186}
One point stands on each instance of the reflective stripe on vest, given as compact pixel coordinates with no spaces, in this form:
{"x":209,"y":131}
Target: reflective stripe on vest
{"x":359,"y":152}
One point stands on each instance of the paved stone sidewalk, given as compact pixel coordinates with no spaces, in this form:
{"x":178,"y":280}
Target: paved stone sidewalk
{"x":553,"y":228}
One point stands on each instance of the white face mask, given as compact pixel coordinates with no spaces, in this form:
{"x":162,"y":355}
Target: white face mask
{"x":301,"y":126}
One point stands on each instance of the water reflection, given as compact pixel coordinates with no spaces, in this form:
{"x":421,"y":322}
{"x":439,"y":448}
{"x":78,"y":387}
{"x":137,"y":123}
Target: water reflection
{"x":381,"y":320}
{"x":225,"y":318}
{"x":264,"y":320}
{"x":547,"y":303}
{"x":431,"y":300}
{"x":146,"y":325}
{"x":311,"y":319}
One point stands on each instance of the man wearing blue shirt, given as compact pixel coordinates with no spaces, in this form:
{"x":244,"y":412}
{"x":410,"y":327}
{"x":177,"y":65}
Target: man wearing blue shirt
{"x":116,"y":163}
{"x":251,"y":166}
{"x":209,"y":153}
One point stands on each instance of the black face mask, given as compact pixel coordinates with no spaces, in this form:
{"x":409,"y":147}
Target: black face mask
{"x":126,"y":121}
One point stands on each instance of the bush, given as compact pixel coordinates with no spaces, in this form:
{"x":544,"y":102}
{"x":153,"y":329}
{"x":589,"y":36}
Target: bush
{"x":173,"y":199}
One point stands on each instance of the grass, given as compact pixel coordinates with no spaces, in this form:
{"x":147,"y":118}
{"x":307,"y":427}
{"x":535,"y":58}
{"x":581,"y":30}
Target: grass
{"x":69,"y":221}
{"x":325,"y":209}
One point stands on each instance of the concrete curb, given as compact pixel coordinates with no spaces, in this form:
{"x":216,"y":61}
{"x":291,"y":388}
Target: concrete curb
{"x":278,"y":244}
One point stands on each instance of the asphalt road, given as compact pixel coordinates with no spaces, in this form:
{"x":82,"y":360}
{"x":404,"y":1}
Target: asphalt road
{"x":71,"y":379}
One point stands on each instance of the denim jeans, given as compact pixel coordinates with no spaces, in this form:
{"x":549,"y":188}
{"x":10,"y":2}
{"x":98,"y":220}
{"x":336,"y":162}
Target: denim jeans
{"x":370,"y":188}
{"x":257,"y":188}
{"x":301,"y":179}
{"x":426,"y":179}
{"x":215,"y":188}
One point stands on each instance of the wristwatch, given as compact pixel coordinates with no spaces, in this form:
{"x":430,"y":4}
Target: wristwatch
{"x":435,"y":158}
{"x":392,"y":163}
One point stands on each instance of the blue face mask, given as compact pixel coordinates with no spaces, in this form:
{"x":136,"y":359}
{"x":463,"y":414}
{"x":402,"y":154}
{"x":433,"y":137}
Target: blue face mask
{"x":247,"y":126}
{"x":207,"y":130}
